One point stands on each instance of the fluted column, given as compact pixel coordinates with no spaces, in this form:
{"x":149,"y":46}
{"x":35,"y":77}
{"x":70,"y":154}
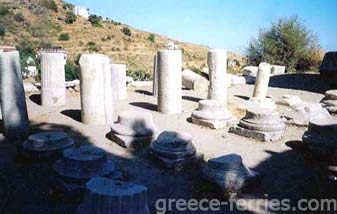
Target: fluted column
{"x":53,"y":89}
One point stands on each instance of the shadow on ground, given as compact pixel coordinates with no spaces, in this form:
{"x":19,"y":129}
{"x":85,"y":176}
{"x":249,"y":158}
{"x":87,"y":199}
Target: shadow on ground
{"x":144,"y":92}
{"x":35,"y":98}
{"x":144,"y":105}
{"x":74,"y":114}
{"x":192,"y":99}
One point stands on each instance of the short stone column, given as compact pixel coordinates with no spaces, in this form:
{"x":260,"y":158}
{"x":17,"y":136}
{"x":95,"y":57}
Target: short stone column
{"x":193,"y":81}
{"x":96,"y":90}
{"x":53,"y":89}
{"x":321,"y":136}
{"x":228,"y":172}
{"x":155,"y":77}
{"x":262,"y":124}
{"x":217,"y":63}
{"x":118,"y":73}
{"x":169,"y":81}
{"x":114,"y":197}
{"x":12,"y":96}
{"x":262,"y":81}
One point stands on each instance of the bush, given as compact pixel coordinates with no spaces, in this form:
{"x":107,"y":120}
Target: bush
{"x":19,"y":17}
{"x":2,"y":30}
{"x":287,"y":42}
{"x":71,"y":71}
{"x":93,"y":47}
{"x":4,"y":11}
{"x":51,"y":5}
{"x":139,"y":75}
{"x":151,"y":37}
{"x":67,"y":6}
{"x":64,"y":37}
{"x":95,"y":20}
{"x":126,"y":31}
{"x":70,"y":18}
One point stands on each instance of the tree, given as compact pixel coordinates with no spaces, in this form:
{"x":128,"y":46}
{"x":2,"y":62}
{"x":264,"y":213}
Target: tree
{"x":2,"y":31}
{"x":287,"y":42}
{"x":64,"y":37}
{"x":70,"y":18}
{"x":151,"y":37}
{"x":126,"y":31}
{"x":95,"y":20}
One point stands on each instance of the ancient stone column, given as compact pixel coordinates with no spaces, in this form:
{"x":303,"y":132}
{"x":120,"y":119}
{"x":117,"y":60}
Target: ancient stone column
{"x":96,"y":90}
{"x":217,"y":63}
{"x":114,"y":197}
{"x":155,"y":77}
{"x":118,"y":73}
{"x":262,"y":81}
{"x":192,"y":80}
{"x":53,"y":89}
{"x":169,"y":81}
{"x":12,"y":96}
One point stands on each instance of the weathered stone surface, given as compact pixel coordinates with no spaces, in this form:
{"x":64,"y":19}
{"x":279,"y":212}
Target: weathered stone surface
{"x":228,"y":172}
{"x":331,"y":95}
{"x":321,"y":136}
{"x":217,"y":63}
{"x":250,"y":71}
{"x":258,"y":102}
{"x":53,"y":89}
{"x":262,"y":81}
{"x":96,"y":90}
{"x":48,"y":142}
{"x":240,"y":80}
{"x":169,"y":81}
{"x":289,"y":100}
{"x":129,"y":80}
{"x":173,"y":149}
{"x":155,"y":77}
{"x":212,"y":114}
{"x":118,"y":73}
{"x":278,"y":69}
{"x":261,"y":124}
{"x":12,"y":96}
{"x":106,"y":196}
{"x":193,"y":81}
{"x":330,"y":101}
{"x":30,"y":87}
{"x":133,"y":129}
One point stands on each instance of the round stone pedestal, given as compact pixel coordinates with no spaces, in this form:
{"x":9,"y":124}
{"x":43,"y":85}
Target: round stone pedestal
{"x":212,"y":114}
{"x":173,"y":149}
{"x":45,"y":144}
{"x":228,"y":172}
{"x":79,"y":165}
{"x":113,"y":197}
{"x":133,"y":129}
{"x":261,"y":124}
{"x":321,"y":136}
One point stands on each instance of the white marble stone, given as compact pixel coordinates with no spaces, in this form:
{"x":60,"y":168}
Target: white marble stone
{"x":262,"y":81}
{"x":194,"y":81}
{"x":53,"y":89}
{"x":12,"y":96}
{"x":278,"y":69}
{"x":289,"y":100}
{"x":169,"y":81}
{"x":118,"y":74}
{"x":217,"y":63}
{"x":155,"y":77}
{"x":96,"y":90}
{"x":250,"y":71}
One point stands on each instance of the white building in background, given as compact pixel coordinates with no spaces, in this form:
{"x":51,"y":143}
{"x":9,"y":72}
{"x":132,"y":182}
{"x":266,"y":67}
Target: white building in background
{"x":171,"y":46}
{"x":81,"y":11}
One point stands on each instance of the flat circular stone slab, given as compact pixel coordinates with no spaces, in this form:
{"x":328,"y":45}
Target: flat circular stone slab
{"x":323,"y":126}
{"x":48,"y":142}
{"x":212,"y":110}
{"x":331,"y":94}
{"x":84,"y":163}
{"x":114,"y":197}
{"x":173,"y":145}
{"x":134,"y":123}
{"x":226,"y":163}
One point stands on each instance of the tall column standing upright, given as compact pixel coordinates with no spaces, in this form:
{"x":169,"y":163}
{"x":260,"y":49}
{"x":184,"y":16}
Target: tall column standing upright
{"x":12,"y":96}
{"x":118,"y":75}
{"x":53,"y":86}
{"x":155,"y":77}
{"x":169,"y":65}
{"x":217,"y":63}
{"x":96,"y":90}
{"x":262,"y":81}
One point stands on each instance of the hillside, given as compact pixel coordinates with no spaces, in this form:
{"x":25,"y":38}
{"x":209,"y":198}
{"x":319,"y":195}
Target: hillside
{"x":39,"y":23}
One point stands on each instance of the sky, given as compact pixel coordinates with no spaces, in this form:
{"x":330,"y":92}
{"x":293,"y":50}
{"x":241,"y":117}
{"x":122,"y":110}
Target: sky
{"x":227,"y":24}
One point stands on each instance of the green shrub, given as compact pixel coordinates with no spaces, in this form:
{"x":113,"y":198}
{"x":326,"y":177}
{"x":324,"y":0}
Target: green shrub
{"x":286,"y":42}
{"x":139,"y":75}
{"x":51,"y":5}
{"x":19,"y":17}
{"x":196,"y":70}
{"x":4,"y":11}
{"x":126,"y":31}
{"x":151,"y":37}
{"x":71,"y":71}
{"x":93,"y":47}
{"x":70,"y":18}
{"x":67,"y":6}
{"x":95,"y":20}
{"x":2,"y":30}
{"x":64,"y":37}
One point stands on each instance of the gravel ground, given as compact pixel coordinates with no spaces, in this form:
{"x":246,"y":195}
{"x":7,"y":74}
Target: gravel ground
{"x":287,"y":170}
